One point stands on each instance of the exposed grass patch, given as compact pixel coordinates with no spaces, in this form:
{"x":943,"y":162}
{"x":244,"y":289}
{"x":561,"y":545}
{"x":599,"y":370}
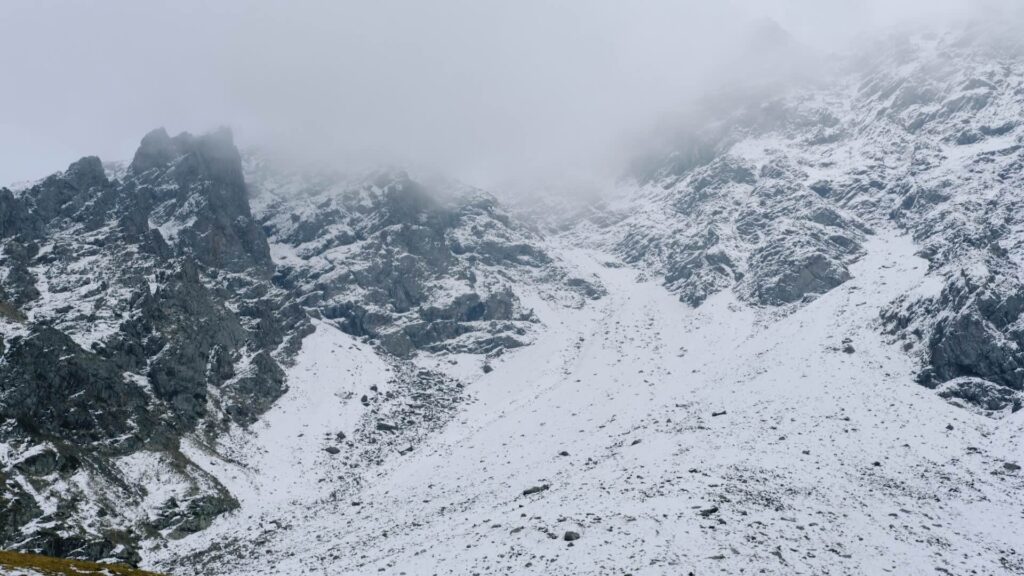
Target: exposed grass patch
{"x":51,"y":566}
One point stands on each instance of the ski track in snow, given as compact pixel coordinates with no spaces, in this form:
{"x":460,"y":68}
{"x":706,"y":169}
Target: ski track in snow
{"x":824,"y":462}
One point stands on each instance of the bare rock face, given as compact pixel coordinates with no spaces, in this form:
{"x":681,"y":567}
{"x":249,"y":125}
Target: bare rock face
{"x":198,"y":196}
{"x":52,"y":387}
{"x":433,"y":266}
{"x":164,"y":301}
{"x":773,"y":198}
{"x":735,"y":224}
{"x":989,"y":397}
{"x":959,"y":199}
{"x":132,"y":311}
{"x":151,"y":304}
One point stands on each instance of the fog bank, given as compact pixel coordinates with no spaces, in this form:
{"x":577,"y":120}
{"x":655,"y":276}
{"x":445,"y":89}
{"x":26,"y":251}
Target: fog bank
{"x":481,"y":89}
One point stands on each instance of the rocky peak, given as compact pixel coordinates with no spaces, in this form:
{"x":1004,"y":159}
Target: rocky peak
{"x":774,"y":199}
{"x":133,"y":311}
{"x":412,"y":263}
{"x":155,"y":151}
{"x":86,"y":173}
{"x":198,"y":198}
{"x":15,"y":219}
{"x":214,"y":152}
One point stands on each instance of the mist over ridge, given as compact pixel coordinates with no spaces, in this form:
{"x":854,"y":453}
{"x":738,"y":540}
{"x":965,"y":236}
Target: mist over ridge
{"x":485,"y":91}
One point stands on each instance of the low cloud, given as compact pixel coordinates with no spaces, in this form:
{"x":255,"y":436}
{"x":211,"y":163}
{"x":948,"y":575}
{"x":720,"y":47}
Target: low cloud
{"x":481,"y":89}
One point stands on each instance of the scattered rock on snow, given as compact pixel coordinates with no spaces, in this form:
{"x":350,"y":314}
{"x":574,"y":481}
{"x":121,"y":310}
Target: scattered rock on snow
{"x":706,"y":512}
{"x":535,"y":489}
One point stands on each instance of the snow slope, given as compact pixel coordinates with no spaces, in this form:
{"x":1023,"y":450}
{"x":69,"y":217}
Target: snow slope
{"x":784,"y":441}
{"x":280,"y":465}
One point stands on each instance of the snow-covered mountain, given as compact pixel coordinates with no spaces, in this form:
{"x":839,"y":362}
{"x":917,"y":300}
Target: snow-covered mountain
{"x":789,"y":343}
{"x":776,"y":199}
{"x":154,"y":305}
{"x":416,"y":265}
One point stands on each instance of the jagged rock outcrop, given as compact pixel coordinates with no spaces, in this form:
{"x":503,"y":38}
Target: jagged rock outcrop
{"x":154,"y":304}
{"x":159,"y":309}
{"x":414,"y":266}
{"x":198,"y":198}
{"x":756,"y":226}
{"x":773,"y":197}
{"x":132,"y":311}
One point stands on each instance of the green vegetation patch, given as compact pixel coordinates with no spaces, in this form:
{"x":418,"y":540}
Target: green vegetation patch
{"x":63,"y":567}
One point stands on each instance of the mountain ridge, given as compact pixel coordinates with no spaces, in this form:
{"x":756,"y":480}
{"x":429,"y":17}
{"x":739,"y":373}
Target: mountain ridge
{"x":792,"y":341}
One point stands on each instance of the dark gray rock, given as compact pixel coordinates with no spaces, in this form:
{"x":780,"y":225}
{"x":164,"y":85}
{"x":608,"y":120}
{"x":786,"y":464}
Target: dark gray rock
{"x":426,"y":266}
{"x":42,"y":463}
{"x":203,"y":187}
{"x":15,"y":218}
{"x":179,"y":312}
{"x":18,"y":286}
{"x":982,"y":393}
{"x":51,"y":387}
{"x":758,"y":230}
{"x":86,"y":174}
{"x":789,"y":271}
{"x":196,"y":515}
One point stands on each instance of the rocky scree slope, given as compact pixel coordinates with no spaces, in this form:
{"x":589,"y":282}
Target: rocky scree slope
{"x":774,"y":200}
{"x":144,"y":304}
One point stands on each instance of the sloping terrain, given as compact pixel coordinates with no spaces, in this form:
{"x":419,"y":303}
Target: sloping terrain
{"x":16,"y":564}
{"x":774,"y":200}
{"x":773,"y":419}
{"x":144,"y":312}
{"x":136,"y":309}
{"x":670,"y":439}
{"x":790,"y":344}
{"x":424,"y":264}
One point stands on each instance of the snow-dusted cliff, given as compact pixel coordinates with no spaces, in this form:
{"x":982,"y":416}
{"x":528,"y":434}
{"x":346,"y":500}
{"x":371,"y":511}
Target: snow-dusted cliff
{"x":791,"y":343}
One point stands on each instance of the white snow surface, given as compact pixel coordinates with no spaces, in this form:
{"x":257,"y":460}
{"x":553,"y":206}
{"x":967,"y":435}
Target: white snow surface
{"x":270,"y":466}
{"x":720,"y":438}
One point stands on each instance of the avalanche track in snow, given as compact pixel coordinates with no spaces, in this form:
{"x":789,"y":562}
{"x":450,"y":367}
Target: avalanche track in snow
{"x":671,"y":439}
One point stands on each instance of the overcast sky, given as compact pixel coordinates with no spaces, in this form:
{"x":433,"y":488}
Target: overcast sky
{"x":471,"y":85}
